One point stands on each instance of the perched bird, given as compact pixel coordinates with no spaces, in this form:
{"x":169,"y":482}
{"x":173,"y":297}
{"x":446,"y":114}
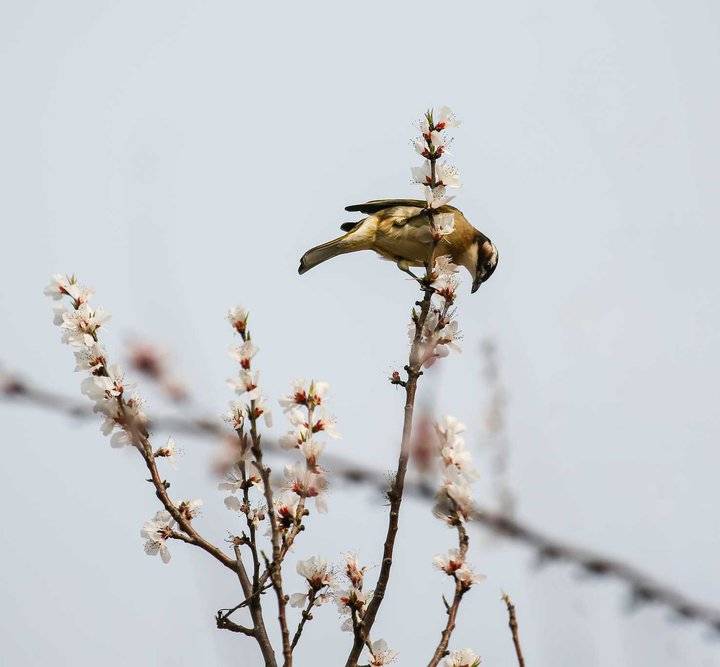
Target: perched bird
{"x":399,"y":230}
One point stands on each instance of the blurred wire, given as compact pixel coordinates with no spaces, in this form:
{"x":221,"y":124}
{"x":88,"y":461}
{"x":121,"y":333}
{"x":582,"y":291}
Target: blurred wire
{"x":643,"y":588}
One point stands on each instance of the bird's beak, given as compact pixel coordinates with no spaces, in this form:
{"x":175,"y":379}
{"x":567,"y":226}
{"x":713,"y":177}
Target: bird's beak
{"x":476,"y":284}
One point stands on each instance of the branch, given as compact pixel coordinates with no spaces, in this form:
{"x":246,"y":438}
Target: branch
{"x":396,"y":492}
{"x":643,"y":587}
{"x":512,"y":622}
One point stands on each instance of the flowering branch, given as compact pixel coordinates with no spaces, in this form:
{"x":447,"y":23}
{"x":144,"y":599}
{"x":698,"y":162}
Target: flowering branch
{"x":431,"y":333}
{"x":512,"y":623}
{"x":643,"y":587}
{"x":454,"y":506}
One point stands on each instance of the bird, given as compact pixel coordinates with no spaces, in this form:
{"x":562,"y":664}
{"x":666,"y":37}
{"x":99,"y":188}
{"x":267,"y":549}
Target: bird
{"x":399,"y":230}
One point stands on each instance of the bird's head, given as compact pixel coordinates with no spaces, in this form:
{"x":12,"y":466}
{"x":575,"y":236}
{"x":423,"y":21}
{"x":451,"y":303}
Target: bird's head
{"x":487,"y":259}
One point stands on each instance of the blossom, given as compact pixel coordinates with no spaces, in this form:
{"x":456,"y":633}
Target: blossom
{"x":316,"y":571}
{"x":189,"y":509}
{"x":436,"y":197}
{"x":61,"y":286}
{"x":260,"y":409}
{"x":169,"y":451}
{"x":285,"y":508}
{"x":104,"y":387}
{"x":238,"y":318}
{"x":449,"y":563}
{"x":156,"y":532}
{"x":311,"y":450}
{"x":454,"y":502}
{"x":444,"y":223}
{"x":326,"y":423}
{"x":247,"y":384}
{"x":235,"y":416}
{"x":444,"y":274}
{"x":244,"y":353}
{"x":80,"y":326}
{"x":347,"y":600}
{"x":445,"y":175}
{"x":463,"y":658}
{"x":91,"y":358}
{"x":445,"y":119}
{"x":306,"y":484}
{"x":311,"y":397}
{"x":353,"y":571}
{"x":380,"y":653}
{"x":467,"y":577}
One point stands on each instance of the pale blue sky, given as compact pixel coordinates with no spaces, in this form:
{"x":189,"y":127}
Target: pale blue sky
{"x":180,"y":156}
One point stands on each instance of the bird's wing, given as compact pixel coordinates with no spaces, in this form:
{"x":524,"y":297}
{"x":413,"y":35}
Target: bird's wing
{"x":376,"y":205}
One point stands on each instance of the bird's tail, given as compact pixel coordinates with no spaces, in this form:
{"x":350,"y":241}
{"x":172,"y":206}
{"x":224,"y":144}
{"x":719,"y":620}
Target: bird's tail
{"x":322,"y":253}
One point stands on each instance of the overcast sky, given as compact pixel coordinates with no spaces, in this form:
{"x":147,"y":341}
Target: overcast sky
{"x":180,"y":156}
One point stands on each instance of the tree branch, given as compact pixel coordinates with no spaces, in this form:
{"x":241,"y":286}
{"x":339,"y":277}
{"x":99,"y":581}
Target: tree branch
{"x":643,"y":587}
{"x":512,"y":623}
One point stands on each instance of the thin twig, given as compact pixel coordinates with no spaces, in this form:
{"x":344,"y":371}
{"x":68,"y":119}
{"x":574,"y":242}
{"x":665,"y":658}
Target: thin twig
{"x":512,"y":622}
{"x":643,"y":587}
{"x":306,"y":616}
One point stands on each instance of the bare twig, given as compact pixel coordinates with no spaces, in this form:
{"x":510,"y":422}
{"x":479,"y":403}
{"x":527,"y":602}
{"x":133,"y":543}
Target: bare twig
{"x":643,"y":587}
{"x":305,"y":617}
{"x":512,"y":622}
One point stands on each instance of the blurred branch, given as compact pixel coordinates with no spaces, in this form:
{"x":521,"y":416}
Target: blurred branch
{"x":643,"y":588}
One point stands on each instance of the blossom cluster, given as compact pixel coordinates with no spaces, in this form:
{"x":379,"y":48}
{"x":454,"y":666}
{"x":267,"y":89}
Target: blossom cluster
{"x":112,"y":396}
{"x":351,"y":599}
{"x":305,"y":408}
{"x":319,"y":577}
{"x":454,"y":502}
{"x":435,"y":175}
{"x":440,"y":332}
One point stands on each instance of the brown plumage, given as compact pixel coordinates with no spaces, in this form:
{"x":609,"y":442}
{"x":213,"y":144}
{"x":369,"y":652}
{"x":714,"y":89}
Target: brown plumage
{"x":399,"y":230}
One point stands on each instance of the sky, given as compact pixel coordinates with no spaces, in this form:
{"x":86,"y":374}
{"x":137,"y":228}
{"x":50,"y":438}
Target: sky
{"x":181,"y":156}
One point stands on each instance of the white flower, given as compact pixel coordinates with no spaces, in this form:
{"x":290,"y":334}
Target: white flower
{"x":445,"y":119}
{"x":235,"y":416}
{"x":311,"y":450}
{"x":353,"y":571}
{"x":189,"y":509}
{"x":238,"y":318}
{"x":316,"y":571}
{"x":170,"y":451}
{"x":260,"y":409}
{"x":244,"y":353}
{"x":454,"y":501}
{"x":58,"y":287}
{"x":61,"y":286}
{"x":156,"y":532}
{"x":449,"y":563}
{"x":80,"y":326}
{"x":326,"y":424}
{"x":104,"y":387}
{"x":347,"y":600}
{"x":445,"y":175}
{"x":380,"y":654}
{"x":463,"y":658}
{"x":306,"y":484}
{"x":444,"y":223}
{"x":120,"y":439}
{"x":310,"y":397}
{"x":247,"y":384}
{"x":435,"y":197}
{"x":90,"y":358}
{"x":285,"y":508}
{"x":467,"y":577}
{"x":445,"y":280}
